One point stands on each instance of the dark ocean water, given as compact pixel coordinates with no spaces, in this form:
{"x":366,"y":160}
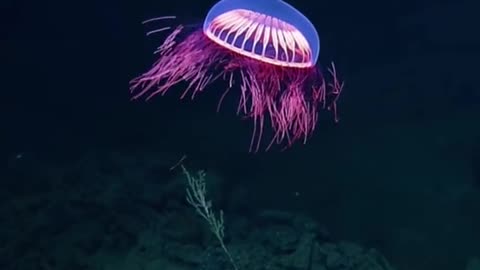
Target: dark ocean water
{"x":92,"y":179}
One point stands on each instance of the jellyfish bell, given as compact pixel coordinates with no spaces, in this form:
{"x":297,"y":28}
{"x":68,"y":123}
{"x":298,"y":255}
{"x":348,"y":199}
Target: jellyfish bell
{"x":270,"y":31}
{"x":267,"y":50}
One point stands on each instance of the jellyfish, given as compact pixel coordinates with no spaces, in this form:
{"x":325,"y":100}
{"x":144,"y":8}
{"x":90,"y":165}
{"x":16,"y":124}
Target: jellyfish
{"x":264,"y":49}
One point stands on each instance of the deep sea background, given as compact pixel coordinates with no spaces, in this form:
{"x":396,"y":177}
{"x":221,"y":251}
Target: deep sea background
{"x":86,"y":180}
